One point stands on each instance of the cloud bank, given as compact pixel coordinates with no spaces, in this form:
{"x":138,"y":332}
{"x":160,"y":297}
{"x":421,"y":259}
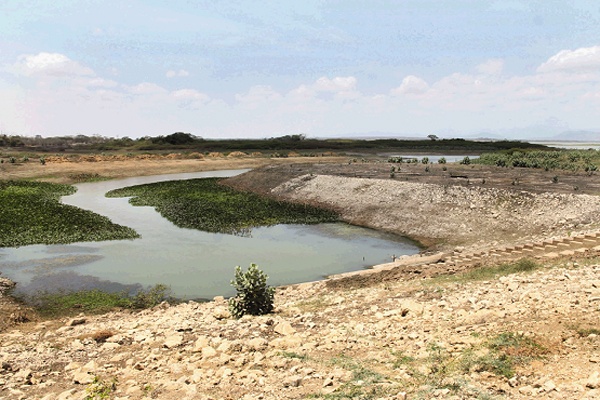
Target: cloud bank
{"x":51,"y":94}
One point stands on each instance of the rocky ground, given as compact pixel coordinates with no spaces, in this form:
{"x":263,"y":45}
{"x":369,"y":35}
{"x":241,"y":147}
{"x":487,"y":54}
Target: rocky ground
{"x":521,"y":336}
{"x":518,"y":336}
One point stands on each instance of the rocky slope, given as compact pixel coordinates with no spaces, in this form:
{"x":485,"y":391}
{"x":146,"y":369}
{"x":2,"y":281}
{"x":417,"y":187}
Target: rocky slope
{"x":444,"y":214}
{"x":408,"y":339}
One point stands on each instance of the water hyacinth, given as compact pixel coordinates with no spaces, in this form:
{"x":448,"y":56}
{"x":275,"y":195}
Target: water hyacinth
{"x":31,"y":213}
{"x":206,"y":205}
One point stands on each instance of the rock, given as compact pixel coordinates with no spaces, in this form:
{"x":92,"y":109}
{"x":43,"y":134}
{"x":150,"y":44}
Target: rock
{"x":292,"y":381}
{"x":221,"y":313}
{"x":284,"y":328}
{"x":208,"y":352}
{"x":257,"y":344}
{"x":76,"y":321}
{"x":593,"y":381}
{"x":173,"y":341}
{"x":548,"y":386}
{"x":82,"y":378}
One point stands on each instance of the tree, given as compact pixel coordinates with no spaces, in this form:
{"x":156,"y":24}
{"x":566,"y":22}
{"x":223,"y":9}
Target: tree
{"x":433,"y":137}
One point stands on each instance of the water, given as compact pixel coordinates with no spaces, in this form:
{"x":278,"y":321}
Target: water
{"x":193,"y":263}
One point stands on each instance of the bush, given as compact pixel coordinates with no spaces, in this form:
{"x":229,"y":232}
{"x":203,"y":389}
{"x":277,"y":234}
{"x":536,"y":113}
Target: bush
{"x":253,"y":296}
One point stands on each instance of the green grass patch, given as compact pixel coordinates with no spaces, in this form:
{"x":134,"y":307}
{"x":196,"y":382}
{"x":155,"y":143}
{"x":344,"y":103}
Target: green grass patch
{"x":505,"y":352}
{"x":94,"y":301}
{"x":31,"y":213}
{"x":365,"y":383}
{"x":205,"y":205}
{"x":490,"y":272}
{"x":294,"y":355}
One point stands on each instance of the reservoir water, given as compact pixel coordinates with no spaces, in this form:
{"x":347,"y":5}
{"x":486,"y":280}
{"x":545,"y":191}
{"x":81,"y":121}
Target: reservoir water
{"x":193,"y":263}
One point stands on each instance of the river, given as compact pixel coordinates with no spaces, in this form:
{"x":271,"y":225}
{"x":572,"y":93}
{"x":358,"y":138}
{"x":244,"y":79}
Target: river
{"x":193,"y":263}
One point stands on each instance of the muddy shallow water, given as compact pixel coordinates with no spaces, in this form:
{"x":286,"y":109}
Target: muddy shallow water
{"x":193,"y":263}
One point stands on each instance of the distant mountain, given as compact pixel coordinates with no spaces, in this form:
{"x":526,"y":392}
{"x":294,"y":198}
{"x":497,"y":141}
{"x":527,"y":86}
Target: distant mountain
{"x":578,"y":136}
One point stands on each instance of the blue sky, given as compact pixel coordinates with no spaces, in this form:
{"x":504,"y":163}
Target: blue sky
{"x":520,"y":69}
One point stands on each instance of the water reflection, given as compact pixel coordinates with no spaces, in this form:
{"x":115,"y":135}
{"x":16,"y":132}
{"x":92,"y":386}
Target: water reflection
{"x":193,"y":263}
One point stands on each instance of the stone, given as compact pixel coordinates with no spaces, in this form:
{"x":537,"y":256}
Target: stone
{"x":593,"y":381}
{"x":173,"y":341}
{"x":76,"y":321}
{"x":208,"y":352}
{"x":82,"y":378}
{"x":257,"y":344}
{"x":292,"y":381}
{"x":284,"y":328}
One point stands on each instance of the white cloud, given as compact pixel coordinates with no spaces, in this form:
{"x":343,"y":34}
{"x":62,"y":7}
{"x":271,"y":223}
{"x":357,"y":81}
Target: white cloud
{"x":337,"y":84}
{"x":486,"y":98}
{"x":491,"y":67}
{"x":584,"y":58}
{"x":52,"y":64}
{"x":258,"y":94}
{"x":411,"y":85}
{"x":147,"y":88}
{"x":177,"y":74}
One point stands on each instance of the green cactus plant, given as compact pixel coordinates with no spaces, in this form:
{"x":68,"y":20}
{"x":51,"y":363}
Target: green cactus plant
{"x":254,"y":296}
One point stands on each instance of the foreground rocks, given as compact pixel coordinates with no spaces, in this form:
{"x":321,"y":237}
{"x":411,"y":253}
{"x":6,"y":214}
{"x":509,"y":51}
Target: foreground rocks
{"x":427,"y":338}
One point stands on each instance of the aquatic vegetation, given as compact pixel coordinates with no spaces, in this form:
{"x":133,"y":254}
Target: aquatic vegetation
{"x":206,"y":205}
{"x":31,"y":213}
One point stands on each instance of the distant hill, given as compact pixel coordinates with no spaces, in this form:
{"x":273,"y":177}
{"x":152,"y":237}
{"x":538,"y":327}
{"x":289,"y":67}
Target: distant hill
{"x":578,"y":136}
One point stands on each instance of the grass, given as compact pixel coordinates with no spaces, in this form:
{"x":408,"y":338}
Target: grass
{"x":490,"y":272}
{"x":94,"y":301}
{"x":31,"y":213}
{"x":505,"y":352}
{"x":205,"y":205}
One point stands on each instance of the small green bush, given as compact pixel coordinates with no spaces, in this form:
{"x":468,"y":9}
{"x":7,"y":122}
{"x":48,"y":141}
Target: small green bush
{"x":254,"y":296}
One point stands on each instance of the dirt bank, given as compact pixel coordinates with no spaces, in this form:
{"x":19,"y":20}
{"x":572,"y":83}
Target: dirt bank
{"x":437,"y":208}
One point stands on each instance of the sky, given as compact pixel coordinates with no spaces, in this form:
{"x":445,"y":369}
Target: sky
{"x":339,"y":68}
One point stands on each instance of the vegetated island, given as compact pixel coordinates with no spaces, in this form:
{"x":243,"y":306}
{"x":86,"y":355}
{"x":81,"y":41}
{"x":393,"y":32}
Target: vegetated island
{"x":206,"y":205}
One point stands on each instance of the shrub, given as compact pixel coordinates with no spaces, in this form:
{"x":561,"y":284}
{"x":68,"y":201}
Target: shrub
{"x":253,"y":296}
{"x":442,"y":160}
{"x":466,"y":161}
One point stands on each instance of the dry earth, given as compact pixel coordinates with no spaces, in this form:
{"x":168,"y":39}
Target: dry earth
{"x":414,"y":336}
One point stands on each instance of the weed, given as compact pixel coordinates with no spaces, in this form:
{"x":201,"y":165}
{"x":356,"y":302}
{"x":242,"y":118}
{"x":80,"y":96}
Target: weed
{"x":401,"y":359}
{"x":490,"y":272}
{"x":294,"y":355}
{"x":100,"y":389}
{"x":585,"y":332}
{"x":312,"y":305}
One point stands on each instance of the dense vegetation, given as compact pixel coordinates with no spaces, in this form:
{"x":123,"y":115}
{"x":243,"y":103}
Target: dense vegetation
{"x":187,"y":141}
{"x":205,"y":205}
{"x":31,"y":213}
{"x":573,"y":160}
